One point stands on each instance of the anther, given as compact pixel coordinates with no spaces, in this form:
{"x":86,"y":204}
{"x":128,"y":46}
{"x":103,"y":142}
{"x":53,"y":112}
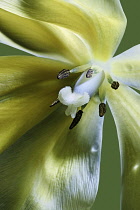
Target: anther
{"x":115,"y":85}
{"x":102,"y":109}
{"x":76,"y":119}
{"x":89,"y":73}
{"x":54,"y":103}
{"x":63,"y":74}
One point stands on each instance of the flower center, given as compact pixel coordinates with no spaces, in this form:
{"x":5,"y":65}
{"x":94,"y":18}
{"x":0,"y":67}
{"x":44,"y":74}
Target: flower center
{"x":86,"y":86}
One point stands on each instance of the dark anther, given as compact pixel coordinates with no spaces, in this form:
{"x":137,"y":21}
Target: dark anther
{"x":89,"y":73}
{"x":115,"y":85}
{"x":102,"y":109}
{"x":76,"y":119}
{"x":54,"y":103}
{"x":63,"y":74}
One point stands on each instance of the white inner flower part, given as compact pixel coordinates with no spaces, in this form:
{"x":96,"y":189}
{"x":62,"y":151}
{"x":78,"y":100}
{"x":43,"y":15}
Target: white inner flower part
{"x":72,"y":100}
{"x":84,"y":89}
{"x":91,"y":85}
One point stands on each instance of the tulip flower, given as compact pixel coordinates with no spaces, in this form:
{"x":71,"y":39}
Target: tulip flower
{"x":53,"y":103}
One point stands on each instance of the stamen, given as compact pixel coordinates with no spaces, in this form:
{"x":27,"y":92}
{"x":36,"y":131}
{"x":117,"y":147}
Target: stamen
{"x":79,"y":69}
{"x":63,"y":74}
{"x":54,"y":103}
{"x":115,"y":85}
{"x":89,"y":73}
{"x":76,"y":119}
{"x":102,"y":109}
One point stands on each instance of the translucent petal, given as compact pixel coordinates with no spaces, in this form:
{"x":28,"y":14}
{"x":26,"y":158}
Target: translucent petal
{"x":91,"y":85}
{"x":28,"y":85}
{"x":42,"y":39}
{"x":52,"y":167}
{"x":125,"y":107}
{"x":101,"y":23}
{"x":126,"y":67}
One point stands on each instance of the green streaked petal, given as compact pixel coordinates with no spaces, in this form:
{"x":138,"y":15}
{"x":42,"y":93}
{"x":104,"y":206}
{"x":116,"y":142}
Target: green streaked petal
{"x":28,"y":85}
{"x":52,"y":167}
{"x":100,"y":23}
{"x":125,"y":107}
{"x":126,"y":67}
{"x":42,"y":39}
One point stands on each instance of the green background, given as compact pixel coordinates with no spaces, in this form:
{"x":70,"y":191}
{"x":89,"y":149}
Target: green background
{"x":110,"y":184}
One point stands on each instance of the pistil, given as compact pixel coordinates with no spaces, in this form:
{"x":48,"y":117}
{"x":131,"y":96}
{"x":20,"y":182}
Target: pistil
{"x":73,"y":100}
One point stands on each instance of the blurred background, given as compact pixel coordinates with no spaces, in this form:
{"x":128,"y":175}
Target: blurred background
{"x":110,"y":184}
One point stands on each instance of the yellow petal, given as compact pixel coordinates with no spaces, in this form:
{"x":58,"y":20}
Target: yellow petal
{"x":52,"y":167}
{"x":28,"y":85}
{"x":100,"y":23}
{"x":126,"y":67}
{"x":42,"y":39}
{"x":125,"y":107}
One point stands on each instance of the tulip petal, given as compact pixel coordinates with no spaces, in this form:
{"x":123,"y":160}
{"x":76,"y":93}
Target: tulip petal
{"x":42,"y":39}
{"x":126,"y":67}
{"x":28,"y":85}
{"x":125,"y":106}
{"x":100,"y":23}
{"x":52,"y":167}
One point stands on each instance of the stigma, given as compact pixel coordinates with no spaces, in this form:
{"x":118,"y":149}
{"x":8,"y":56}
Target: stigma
{"x":73,"y":100}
